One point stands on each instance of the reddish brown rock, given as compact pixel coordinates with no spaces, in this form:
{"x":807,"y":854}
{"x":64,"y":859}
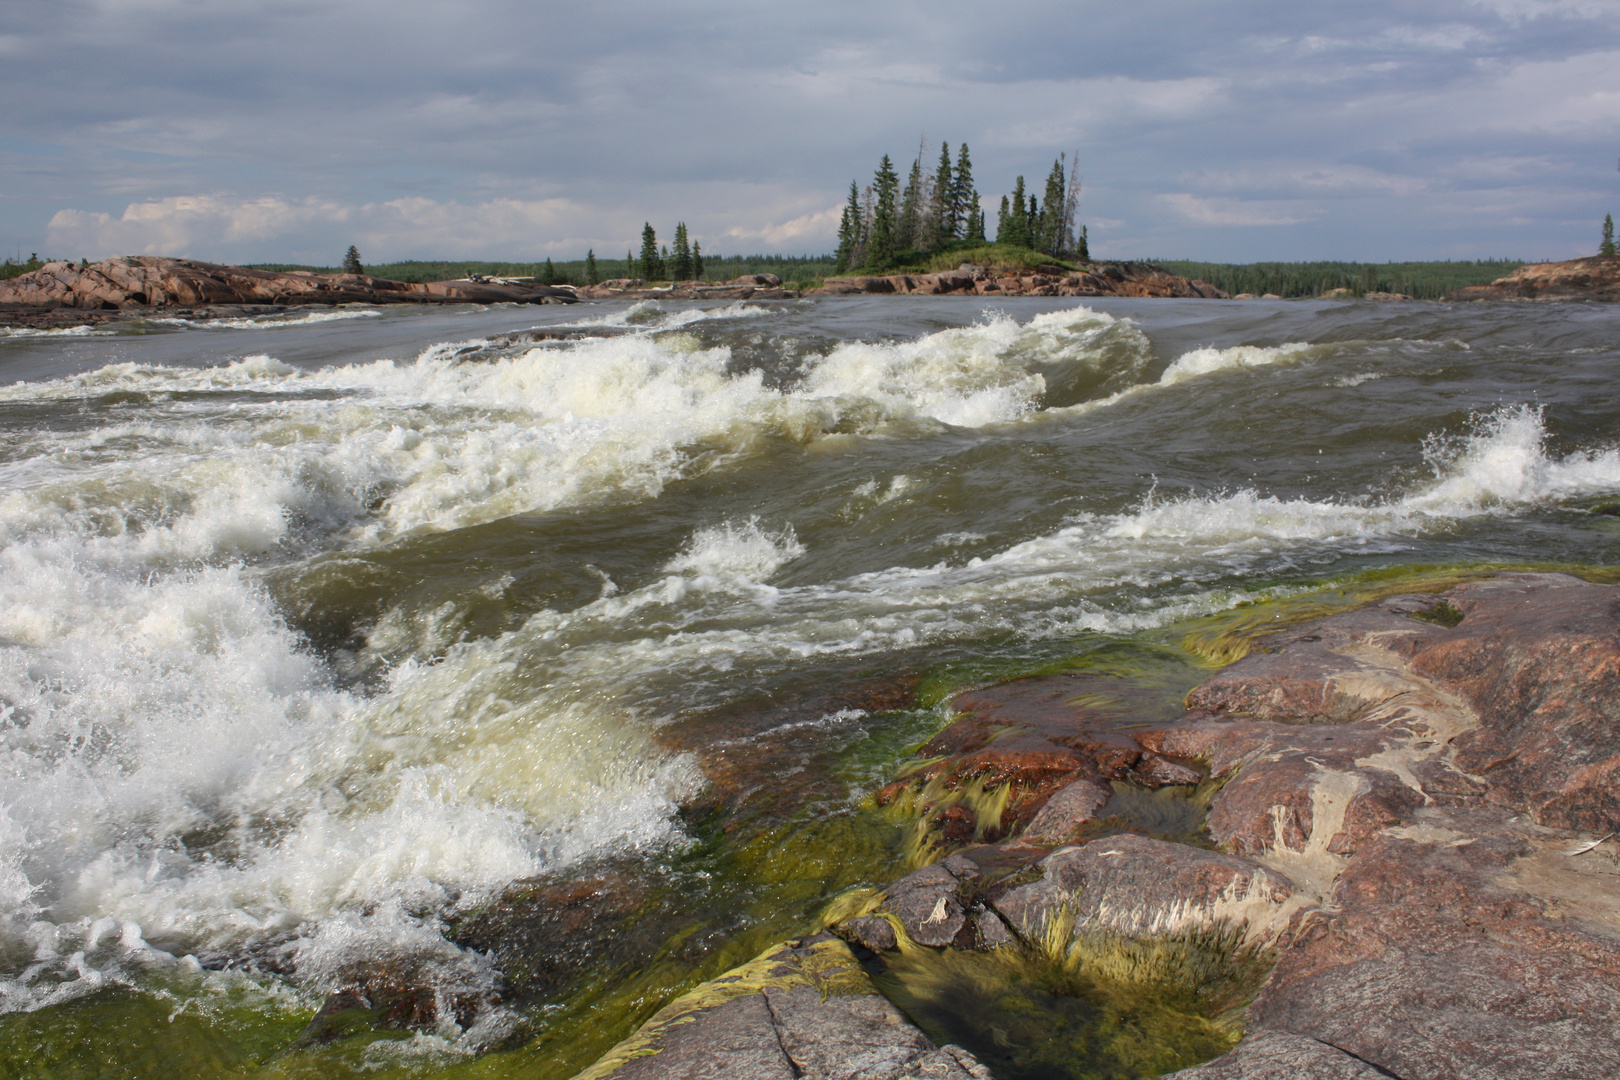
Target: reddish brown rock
{"x":1594,"y":278}
{"x":1104,"y":279}
{"x":142,"y":281}
{"x":1135,"y":886}
{"x":1413,"y":796}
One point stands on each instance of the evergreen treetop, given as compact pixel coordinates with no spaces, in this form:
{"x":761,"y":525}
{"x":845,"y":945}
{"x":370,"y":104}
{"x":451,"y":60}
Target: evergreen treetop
{"x":593,"y":276}
{"x":881,"y":245}
{"x":964,"y":200}
{"x":351,"y":261}
{"x":1606,"y":248}
{"x":652,"y":266}
{"x":680,"y":263}
{"x":944,"y":223}
{"x":908,"y":229}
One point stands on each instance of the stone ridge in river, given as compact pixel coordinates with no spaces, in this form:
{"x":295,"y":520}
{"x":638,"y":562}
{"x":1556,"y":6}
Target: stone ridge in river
{"x":1596,"y":277}
{"x":135,"y":282}
{"x":1411,"y":824}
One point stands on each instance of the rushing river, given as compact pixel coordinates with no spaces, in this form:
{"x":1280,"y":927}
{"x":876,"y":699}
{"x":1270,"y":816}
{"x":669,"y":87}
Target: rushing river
{"x":319,"y":632}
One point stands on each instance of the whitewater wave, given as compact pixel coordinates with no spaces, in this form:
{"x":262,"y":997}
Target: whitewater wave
{"x":271,"y":322}
{"x":182,"y":764}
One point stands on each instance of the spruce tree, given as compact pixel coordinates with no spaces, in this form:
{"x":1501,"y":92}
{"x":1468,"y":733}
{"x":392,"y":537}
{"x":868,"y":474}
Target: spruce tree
{"x":908,"y":229}
{"x":943,"y":223}
{"x":630,"y":265}
{"x":548,"y":275}
{"x":1607,"y":247}
{"x":851,"y":235}
{"x":1083,"y":254}
{"x":351,"y":261}
{"x":651,"y":265}
{"x":1052,"y":232}
{"x":592,"y":275}
{"x":973,"y":230}
{"x":964,"y":200}
{"x":1004,"y":229}
{"x":697,"y":262}
{"x":680,"y":263}
{"x":881,"y":249}
{"x":1018,"y":219}
{"x":663,"y":263}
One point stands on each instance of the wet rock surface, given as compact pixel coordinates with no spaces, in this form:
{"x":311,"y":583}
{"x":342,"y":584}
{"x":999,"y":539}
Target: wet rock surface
{"x":1098,"y":279}
{"x":1409,"y":796}
{"x":803,"y":1009}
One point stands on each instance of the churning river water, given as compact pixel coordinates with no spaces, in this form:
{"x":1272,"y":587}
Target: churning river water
{"x":318,"y":632}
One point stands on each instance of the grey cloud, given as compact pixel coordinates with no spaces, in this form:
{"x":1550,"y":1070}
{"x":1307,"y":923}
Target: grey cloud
{"x":1378,"y":131}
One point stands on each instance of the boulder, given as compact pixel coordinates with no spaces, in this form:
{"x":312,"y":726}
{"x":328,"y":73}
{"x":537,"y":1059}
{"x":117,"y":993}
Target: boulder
{"x":801,"y":1009}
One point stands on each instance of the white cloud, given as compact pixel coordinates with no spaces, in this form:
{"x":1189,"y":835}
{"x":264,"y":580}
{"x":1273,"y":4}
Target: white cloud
{"x":207,"y":225}
{"x":1220,"y":211}
{"x":814,"y":226}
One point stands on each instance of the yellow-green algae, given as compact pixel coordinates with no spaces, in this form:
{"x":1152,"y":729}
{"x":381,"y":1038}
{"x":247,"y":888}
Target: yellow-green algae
{"x":1089,"y":1006}
{"x":827,"y":967}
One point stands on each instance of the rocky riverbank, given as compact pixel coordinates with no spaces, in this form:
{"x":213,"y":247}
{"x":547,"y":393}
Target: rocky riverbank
{"x":1594,"y":278}
{"x":1098,"y":279}
{"x":64,"y":293}
{"x":1386,"y":831}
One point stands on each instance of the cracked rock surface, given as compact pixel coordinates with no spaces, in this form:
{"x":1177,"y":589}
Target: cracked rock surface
{"x":804,"y":1009}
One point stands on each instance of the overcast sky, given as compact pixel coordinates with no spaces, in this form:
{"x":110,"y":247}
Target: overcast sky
{"x":1235,"y":131}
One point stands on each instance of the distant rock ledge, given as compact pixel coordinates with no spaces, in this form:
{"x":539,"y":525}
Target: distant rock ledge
{"x":1594,"y":278}
{"x":129,"y":286}
{"x":1098,"y":279}
{"x":65,"y":292}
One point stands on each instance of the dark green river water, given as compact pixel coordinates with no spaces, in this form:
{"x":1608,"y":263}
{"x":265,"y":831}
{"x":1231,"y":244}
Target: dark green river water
{"x":318,"y":633}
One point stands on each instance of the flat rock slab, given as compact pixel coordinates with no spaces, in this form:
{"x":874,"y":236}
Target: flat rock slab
{"x":1281,"y":1055}
{"x":802,"y":1009}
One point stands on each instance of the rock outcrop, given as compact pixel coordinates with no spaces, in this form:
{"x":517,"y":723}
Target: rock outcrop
{"x":1408,"y":804}
{"x":145,"y":281}
{"x":1098,"y":279}
{"x":1594,"y":278}
{"x":747,"y":287}
{"x":802,"y":1009}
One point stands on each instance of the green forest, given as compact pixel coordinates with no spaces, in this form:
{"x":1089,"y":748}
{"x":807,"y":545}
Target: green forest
{"x":1424,"y":280}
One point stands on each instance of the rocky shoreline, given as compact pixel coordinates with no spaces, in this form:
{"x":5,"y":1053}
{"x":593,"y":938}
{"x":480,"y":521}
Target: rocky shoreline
{"x":117,"y":289}
{"x":64,"y":294}
{"x":1400,"y":860}
{"x":1593,"y":278}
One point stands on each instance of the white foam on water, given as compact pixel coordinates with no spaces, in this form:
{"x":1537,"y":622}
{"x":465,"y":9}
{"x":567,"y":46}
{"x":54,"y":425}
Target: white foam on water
{"x":53,"y":331}
{"x":177,"y":761}
{"x":271,"y":322}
